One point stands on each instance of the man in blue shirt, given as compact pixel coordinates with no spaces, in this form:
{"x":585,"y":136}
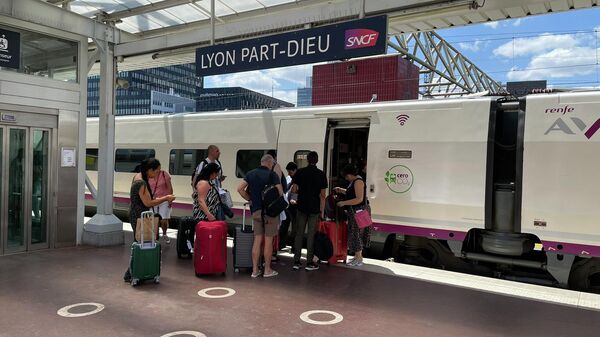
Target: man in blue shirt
{"x":311,"y":184}
{"x":264,"y":226}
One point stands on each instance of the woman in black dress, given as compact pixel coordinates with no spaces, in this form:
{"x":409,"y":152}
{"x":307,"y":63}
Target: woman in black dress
{"x":355,"y":199}
{"x":140,"y":196}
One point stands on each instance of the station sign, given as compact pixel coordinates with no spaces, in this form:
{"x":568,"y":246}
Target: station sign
{"x":10,"y":49}
{"x":345,"y":40}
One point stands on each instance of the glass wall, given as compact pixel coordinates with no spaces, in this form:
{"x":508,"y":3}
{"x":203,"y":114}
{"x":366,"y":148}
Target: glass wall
{"x":46,"y":56}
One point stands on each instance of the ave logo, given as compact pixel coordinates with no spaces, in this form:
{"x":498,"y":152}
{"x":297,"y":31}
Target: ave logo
{"x":560,"y":125}
{"x":360,"y":38}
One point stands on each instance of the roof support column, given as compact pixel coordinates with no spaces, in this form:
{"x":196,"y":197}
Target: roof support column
{"x":105,"y":228}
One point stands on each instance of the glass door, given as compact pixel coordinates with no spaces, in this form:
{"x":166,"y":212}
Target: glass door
{"x":16,"y":202}
{"x":40,"y":140}
{"x":24,"y":188}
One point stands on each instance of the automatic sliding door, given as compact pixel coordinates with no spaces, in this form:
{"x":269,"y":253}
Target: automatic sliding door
{"x":17,"y":145}
{"x":39,"y":187}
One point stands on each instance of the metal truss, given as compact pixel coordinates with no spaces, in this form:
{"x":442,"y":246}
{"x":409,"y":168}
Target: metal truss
{"x":444,"y":70}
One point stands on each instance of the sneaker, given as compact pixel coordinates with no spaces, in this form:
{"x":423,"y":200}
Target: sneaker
{"x":271,"y":274}
{"x":351,"y":262}
{"x":167,"y":240}
{"x":311,"y":267}
{"x":297,"y":266}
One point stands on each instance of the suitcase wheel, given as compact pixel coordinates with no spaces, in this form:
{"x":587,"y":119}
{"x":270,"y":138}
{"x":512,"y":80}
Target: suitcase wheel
{"x":157,"y":279}
{"x":134,"y":282}
{"x":237,"y":270}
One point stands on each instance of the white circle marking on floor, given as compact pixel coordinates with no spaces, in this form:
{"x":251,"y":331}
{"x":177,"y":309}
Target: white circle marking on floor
{"x":64,"y":311}
{"x":189,"y":333}
{"x":305,"y":316}
{"x":204,"y":292}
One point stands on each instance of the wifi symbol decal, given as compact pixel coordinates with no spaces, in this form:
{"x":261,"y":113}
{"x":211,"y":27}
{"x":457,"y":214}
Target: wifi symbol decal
{"x":402,"y":119}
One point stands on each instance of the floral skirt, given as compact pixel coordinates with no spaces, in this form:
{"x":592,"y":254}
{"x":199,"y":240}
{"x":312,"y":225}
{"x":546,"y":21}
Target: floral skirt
{"x":358,"y":238}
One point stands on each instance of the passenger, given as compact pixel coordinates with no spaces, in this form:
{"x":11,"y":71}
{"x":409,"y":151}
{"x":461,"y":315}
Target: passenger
{"x":264,"y":226}
{"x":284,"y":236}
{"x":355,"y":199}
{"x":310,"y":183}
{"x":205,"y":195}
{"x":213,"y":157}
{"x":283,"y":216}
{"x":141,"y":196}
{"x":161,"y":186}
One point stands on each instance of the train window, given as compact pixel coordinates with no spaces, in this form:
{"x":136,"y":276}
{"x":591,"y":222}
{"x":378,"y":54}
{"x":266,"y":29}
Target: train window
{"x":91,"y":159}
{"x":126,"y":160}
{"x":247,"y":160}
{"x":183,"y":162}
{"x":300,"y":158}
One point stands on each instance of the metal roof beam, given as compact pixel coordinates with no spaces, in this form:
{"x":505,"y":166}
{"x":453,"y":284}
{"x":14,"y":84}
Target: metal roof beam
{"x":277,"y":18}
{"x":48,"y":15}
{"x":149,"y":8}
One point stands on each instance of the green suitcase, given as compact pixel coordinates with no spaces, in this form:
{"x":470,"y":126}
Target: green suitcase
{"x":145,"y":257}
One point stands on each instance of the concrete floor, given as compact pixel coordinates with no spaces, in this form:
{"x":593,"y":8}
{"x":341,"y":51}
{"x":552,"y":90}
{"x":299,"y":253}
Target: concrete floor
{"x":34,"y":286}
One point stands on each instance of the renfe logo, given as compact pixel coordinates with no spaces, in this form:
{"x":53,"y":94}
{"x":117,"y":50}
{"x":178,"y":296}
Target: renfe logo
{"x":360,"y":38}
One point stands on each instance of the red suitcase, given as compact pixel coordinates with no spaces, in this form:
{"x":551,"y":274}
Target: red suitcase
{"x":210,"y":248}
{"x":338,"y":234}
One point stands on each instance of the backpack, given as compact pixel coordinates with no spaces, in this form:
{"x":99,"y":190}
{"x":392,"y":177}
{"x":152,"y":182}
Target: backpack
{"x":272,"y":202}
{"x":323,"y":246}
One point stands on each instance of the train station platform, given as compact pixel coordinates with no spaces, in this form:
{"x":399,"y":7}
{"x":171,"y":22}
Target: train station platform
{"x":378,"y":299}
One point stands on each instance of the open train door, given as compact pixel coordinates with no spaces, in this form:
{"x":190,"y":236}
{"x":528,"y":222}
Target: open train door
{"x":298,"y":137}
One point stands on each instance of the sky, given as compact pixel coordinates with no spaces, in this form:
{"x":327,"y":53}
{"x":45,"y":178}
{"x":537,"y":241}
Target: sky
{"x":562,"y":48}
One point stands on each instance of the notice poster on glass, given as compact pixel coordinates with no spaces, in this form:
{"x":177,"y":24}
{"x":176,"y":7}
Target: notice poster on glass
{"x":68,"y":157}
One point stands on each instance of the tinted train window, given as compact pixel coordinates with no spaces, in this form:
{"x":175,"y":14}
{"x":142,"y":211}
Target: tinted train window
{"x":183,"y":162}
{"x":247,"y":160}
{"x":126,"y":160}
{"x":300,"y":158}
{"x":91,"y":159}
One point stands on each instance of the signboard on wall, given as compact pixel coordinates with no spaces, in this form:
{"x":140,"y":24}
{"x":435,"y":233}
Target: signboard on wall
{"x":10,"y":49}
{"x":332,"y":42}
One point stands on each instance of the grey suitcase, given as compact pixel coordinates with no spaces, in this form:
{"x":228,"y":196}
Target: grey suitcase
{"x":243,"y":240}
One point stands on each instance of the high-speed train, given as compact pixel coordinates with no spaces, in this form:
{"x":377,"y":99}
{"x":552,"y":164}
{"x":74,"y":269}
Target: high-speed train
{"x":494,"y":185}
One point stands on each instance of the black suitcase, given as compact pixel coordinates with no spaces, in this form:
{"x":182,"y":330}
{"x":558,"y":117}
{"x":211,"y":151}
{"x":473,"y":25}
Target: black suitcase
{"x":243,"y":239}
{"x":185,"y":237}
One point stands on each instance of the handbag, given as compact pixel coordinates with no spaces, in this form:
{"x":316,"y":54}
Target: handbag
{"x":362,"y":218}
{"x":225,"y":197}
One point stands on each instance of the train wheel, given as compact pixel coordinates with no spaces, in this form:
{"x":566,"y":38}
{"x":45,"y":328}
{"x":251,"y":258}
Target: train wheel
{"x":585,"y":275}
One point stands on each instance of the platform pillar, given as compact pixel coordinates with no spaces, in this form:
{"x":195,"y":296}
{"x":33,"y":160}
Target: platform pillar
{"x":104,"y":228}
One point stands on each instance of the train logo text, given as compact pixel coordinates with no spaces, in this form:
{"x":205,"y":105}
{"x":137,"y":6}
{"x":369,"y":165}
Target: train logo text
{"x":399,"y":179}
{"x":360,"y":38}
{"x":560,"y":125}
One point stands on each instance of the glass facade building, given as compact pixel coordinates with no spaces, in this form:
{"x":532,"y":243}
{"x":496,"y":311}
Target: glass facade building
{"x":177,"y":81}
{"x":236,"y":98}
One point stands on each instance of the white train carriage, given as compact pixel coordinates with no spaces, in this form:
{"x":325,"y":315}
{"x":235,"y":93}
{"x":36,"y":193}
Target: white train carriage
{"x":483,"y":182}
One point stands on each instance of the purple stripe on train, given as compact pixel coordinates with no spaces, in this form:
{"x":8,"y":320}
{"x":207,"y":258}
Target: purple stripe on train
{"x":441,"y":234}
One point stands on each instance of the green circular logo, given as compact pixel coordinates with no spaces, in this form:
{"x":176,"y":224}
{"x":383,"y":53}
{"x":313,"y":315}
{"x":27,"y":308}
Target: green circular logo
{"x":399,"y":179}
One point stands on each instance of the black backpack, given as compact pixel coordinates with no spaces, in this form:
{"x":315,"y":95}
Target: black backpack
{"x":272,"y":202}
{"x":323,"y":246}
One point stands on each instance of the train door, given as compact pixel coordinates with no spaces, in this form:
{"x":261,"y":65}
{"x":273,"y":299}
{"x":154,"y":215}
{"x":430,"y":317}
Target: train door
{"x":347,"y":145}
{"x":25,"y":201}
{"x":298,"y":137}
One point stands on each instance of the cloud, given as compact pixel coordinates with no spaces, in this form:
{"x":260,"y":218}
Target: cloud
{"x":536,"y":45}
{"x":492,"y":24}
{"x":557,"y":63}
{"x":474,"y":46}
{"x":517,"y":22}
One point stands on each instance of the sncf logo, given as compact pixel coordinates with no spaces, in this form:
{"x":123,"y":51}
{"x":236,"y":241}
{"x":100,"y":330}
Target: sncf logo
{"x":360,"y":38}
{"x":561,"y":125}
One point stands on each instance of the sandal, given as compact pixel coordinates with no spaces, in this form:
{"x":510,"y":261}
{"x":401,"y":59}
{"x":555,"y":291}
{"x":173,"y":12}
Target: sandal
{"x":271,"y":274}
{"x":256,"y":275}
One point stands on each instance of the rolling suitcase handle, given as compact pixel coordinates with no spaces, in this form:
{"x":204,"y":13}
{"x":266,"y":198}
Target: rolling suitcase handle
{"x":244,"y":216}
{"x":148,"y":215}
